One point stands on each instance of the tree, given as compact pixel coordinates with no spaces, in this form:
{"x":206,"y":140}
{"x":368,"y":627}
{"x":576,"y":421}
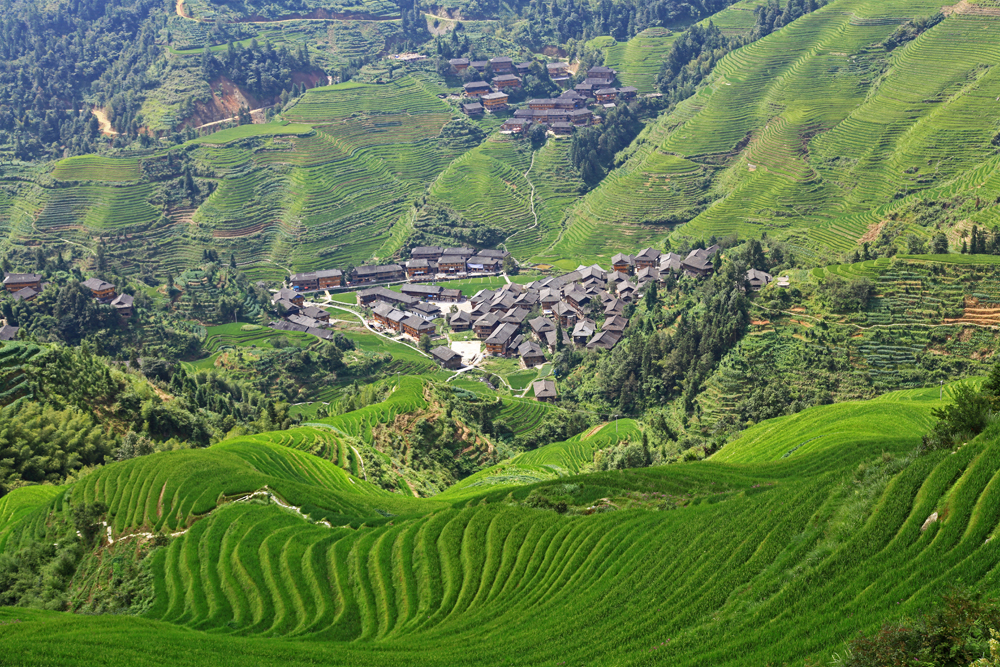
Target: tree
{"x":425,"y":343}
{"x":940,"y":244}
{"x":232,"y":260}
{"x":510,"y":265}
{"x":651,"y":297}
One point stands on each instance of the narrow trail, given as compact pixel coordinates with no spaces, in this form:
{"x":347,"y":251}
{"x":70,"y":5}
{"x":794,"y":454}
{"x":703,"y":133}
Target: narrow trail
{"x":361,"y":461}
{"x":105,"y":124}
{"x":531,"y":202}
{"x":377,"y":333}
{"x":259,"y":112}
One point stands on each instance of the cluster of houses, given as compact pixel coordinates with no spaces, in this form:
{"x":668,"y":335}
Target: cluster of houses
{"x":296,"y":316}
{"x":27,"y":286}
{"x":561,"y":115}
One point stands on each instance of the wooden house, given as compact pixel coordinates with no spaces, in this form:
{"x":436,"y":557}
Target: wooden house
{"x":604,"y":340}
{"x":577,"y":297}
{"x":601,"y":74}
{"x":606,"y":95}
{"x":647,"y":275}
{"x":415,"y":268}
{"x":428,"y":311}
{"x":671,"y":263}
{"x":377,"y":274}
{"x":544,"y":390}
{"x":317,"y":279}
{"x":758,"y":279}
{"x":480,"y":65}
{"x":450,"y":295}
{"x":506,"y":81}
{"x":541,"y":325}
{"x":476,"y":88}
{"x":100,"y":289}
{"x":565,"y":314}
{"x":627,"y":93}
{"x":371,"y":295}
{"x":18,"y":281}
{"x":486,"y":325}
{"x":315,"y":313}
{"x":415,"y":327}
{"x":429,"y":252}
{"x":523,"y":68}
{"x":623,"y":263}
{"x":460,"y":321}
{"x":422,"y":291}
{"x":502,"y":65}
{"x":8,"y":332}
{"x":562,"y":128}
{"x":285,"y":294}
{"x":551,"y":103}
{"x":123,"y":305}
{"x":648,"y":258}
{"x":500,"y":340}
{"x":582,"y":331}
{"x":614,"y":323}
{"x":698,"y":263}
{"x":515,"y":125}
{"x":459,"y":65}
{"x":531,"y":354}
{"x":452,"y":264}
{"x":447,"y":357}
{"x":26,"y":294}
{"x":581,"y":117}
{"x":472,"y":109}
{"x":494,"y":102}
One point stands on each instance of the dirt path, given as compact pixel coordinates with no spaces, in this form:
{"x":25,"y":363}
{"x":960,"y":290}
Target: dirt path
{"x":531,"y":202}
{"x":102,"y":120}
{"x":257,"y":115}
{"x":965,"y":7}
{"x":593,"y":430}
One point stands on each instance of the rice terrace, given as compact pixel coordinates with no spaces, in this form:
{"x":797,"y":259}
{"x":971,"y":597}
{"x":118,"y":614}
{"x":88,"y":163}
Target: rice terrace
{"x":559,"y":332}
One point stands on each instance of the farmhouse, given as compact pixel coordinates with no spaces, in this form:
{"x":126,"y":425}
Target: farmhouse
{"x":123,"y":305}
{"x":286,"y":307}
{"x":26,"y":294}
{"x":648,"y":275}
{"x":388,"y":316}
{"x":614,"y":307}
{"x":758,"y":279}
{"x":486,"y":325}
{"x":452,"y":264}
{"x":515,"y":125}
{"x":565,"y":314}
{"x":515,"y":316}
{"x":500,"y":340}
{"x":506,"y":81}
{"x":480,"y":65}
{"x":472,"y":109}
{"x":670,"y":262}
{"x":582,"y":332}
{"x":585,"y":88}
{"x":317,"y":279}
{"x":627,"y":93}
{"x":604,"y":340}
{"x":369,"y":296}
{"x":291,"y":326}
{"x":483,"y":264}
{"x":459,"y":64}
{"x":422,"y":291}
{"x":99,"y":289}
{"x":577,"y":297}
{"x":551,"y":103}
{"x":428,"y":252}
{"x":494,"y":102}
{"x":606,"y":95}
{"x":698,"y":263}
{"x":415,"y":327}
{"x":601,"y":74}
{"x":544,"y":390}
{"x":460,"y":321}
{"x":476,"y":88}
{"x":377,"y":274}
{"x":285,"y":294}
{"x":581,"y":117}
{"x":315,"y":313}
{"x":531,"y":354}
{"x":502,"y":65}
{"x":447,"y":357}
{"x":420,"y":267}
{"x":428,"y":311}
{"x":614,"y":323}
{"x":622,"y":262}
{"x":562,"y":128}
{"x":647,"y":258}
{"x":305,"y":321}
{"x":8,"y":333}
{"x":18,"y":281}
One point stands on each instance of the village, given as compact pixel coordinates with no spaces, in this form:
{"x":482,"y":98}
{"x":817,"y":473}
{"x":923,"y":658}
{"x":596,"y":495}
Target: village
{"x":559,"y":115}
{"x":585,"y":309}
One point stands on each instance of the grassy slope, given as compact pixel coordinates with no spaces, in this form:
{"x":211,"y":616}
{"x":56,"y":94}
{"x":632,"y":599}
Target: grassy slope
{"x":831,"y":137}
{"x":769,"y":560}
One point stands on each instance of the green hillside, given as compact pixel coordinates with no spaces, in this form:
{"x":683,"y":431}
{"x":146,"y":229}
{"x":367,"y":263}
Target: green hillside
{"x":760,"y":558}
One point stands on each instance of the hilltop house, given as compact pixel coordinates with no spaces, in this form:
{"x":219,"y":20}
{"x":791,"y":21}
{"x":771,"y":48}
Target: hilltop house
{"x":606,"y":95}
{"x":627,"y":93}
{"x":523,"y":68}
{"x":18,"y":281}
{"x":515,"y":125}
{"x":317,"y":279}
{"x":315,"y":313}
{"x":544,"y":390}
{"x":100,"y":289}
{"x":698,"y":263}
{"x":582,"y":332}
{"x":604,"y":340}
{"x":601,"y":75}
{"x":447,"y":357}
{"x":480,"y":65}
{"x":648,"y":258}
{"x":622,"y":262}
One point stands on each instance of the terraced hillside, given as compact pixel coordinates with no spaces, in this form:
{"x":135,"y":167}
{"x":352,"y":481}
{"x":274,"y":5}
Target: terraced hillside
{"x":419,"y":582}
{"x":815,"y":133}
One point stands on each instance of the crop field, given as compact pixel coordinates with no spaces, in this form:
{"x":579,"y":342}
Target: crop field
{"x":239,"y":335}
{"x":638,"y":60}
{"x":820,"y":170}
{"x":336,"y":102}
{"x":95,"y":168}
{"x":523,"y":415}
{"x":816,"y":563}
